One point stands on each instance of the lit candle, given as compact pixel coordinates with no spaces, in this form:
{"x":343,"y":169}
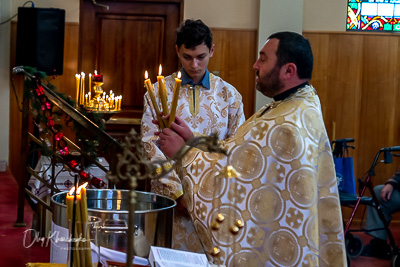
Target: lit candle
{"x":112,"y":101}
{"x":175,"y":99}
{"x":86,"y":99}
{"x":119,"y":102}
{"x":78,"y":253}
{"x":70,"y":205}
{"x":70,"y":202}
{"x":97,"y":77}
{"x":85,"y":218}
{"x":162,"y":92}
{"x":77,"y":78}
{"x":90,"y":83}
{"x":150,"y":91}
{"x":82,"y":88}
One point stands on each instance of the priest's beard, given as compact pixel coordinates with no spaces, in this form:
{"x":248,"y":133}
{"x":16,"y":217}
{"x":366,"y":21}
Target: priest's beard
{"x":270,"y":84}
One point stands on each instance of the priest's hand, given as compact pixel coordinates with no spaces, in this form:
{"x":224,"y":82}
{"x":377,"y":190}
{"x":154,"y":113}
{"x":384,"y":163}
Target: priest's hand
{"x":170,"y":142}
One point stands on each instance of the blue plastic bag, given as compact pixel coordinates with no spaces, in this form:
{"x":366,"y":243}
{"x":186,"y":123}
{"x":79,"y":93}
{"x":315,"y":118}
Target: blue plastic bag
{"x":345,"y":174}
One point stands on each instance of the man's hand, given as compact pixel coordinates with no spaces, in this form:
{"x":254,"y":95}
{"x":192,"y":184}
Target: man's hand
{"x":172,"y":139}
{"x":170,"y":142}
{"x":386,"y":192}
{"x":182,"y":129}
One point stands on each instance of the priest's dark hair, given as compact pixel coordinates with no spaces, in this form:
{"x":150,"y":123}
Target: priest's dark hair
{"x":294,"y":48}
{"x":192,"y":33}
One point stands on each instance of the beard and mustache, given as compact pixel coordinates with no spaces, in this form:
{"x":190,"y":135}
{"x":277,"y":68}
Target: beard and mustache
{"x":270,"y":83}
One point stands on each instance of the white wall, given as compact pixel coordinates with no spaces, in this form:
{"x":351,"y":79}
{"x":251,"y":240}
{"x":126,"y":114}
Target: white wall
{"x":5,"y":29}
{"x":231,"y":14}
{"x":325,"y":15}
{"x":275,"y":16}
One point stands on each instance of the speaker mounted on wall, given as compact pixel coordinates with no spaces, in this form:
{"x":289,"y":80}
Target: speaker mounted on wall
{"x":40,"y":39}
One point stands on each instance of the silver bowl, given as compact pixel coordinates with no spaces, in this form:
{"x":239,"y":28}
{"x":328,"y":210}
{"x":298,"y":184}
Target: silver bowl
{"x":152,"y":220}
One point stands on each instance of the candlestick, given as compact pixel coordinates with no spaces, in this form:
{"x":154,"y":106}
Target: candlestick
{"x":175,"y":99}
{"x":150,"y":91}
{"x":162,"y":92}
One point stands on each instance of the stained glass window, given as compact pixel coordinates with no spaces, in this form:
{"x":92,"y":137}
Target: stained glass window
{"x":373,"y":15}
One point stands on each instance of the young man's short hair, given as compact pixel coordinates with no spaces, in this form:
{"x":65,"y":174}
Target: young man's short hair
{"x":192,"y":33}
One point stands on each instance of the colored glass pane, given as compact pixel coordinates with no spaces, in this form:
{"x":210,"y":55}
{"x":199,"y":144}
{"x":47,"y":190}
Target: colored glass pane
{"x":373,"y":15}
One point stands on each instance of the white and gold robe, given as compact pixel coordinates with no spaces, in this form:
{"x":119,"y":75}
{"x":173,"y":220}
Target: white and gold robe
{"x":286,"y":196}
{"x":215,"y":110}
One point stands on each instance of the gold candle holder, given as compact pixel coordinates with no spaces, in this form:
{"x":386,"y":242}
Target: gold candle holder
{"x":98,"y":91}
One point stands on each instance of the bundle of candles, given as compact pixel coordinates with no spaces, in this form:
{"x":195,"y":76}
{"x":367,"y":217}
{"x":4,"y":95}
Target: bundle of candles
{"x":162,"y":92}
{"x":100,"y":101}
{"x":77,"y":214}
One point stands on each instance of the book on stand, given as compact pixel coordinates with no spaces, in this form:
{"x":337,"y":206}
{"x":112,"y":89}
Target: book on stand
{"x":166,"y":257}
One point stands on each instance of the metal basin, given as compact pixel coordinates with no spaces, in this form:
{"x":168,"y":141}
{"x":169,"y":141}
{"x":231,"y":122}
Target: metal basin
{"x":152,"y":220}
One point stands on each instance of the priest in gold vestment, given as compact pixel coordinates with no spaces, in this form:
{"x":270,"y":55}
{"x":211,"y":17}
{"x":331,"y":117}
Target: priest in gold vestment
{"x":282,"y":207}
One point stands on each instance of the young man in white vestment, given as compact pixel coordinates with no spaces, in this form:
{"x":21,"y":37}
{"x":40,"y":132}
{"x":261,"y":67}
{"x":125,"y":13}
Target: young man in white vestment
{"x":283,"y":208}
{"x":206,"y":102}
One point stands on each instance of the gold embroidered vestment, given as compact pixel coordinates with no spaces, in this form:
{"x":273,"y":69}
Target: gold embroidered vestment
{"x":286,"y":197}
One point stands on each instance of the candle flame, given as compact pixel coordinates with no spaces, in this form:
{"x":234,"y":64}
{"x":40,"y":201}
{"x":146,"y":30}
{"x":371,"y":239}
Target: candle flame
{"x":146,"y":75}
{"x":95,"y":72}
{"x":71,"y":192}
{"x":179,"y":75}
{"x":80,"y":188}
{"x":160,"y":70}
{"x":90,"y":75}
{"x":77,"y":76}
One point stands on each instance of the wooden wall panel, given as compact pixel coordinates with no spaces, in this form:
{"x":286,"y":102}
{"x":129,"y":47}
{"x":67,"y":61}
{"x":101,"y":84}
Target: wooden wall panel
{"x":356,"y":76}
{"x":124,"y":41}
{"x":234,"y":56}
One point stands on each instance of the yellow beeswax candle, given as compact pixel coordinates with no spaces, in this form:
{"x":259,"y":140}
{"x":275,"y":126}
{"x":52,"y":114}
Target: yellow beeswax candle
{"x":85,"y":218}
{"x":175,"y":99}
{"x":77,"y":79}
{"x":150,"y":91}
{"x":78,"y":253}
{"x":162,"y":92}
{"x":82,"y":88}
{"x":70,"y":202}
{"x":90,"y":83}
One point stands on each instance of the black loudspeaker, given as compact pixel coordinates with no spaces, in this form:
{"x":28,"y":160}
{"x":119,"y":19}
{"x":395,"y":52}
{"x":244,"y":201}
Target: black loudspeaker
{"x":40,"y":39}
